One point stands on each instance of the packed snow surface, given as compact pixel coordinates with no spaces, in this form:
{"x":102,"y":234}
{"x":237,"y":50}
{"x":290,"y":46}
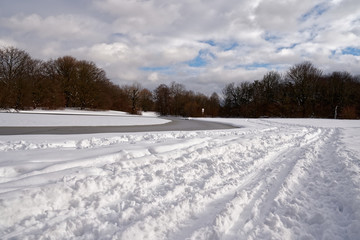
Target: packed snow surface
{"x":270,"y":179}
{"x":69,"y":117}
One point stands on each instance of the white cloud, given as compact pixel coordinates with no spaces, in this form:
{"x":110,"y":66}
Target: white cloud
{"x":153,"y":77}
{"x":6,"y":42}
{"x":153,"y":41}
{"x":109,"y":53}
{"x":62,"y":26}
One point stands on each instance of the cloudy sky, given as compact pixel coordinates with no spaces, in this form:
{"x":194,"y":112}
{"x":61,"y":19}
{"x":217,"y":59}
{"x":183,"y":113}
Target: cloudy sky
{"x":203,"y":44}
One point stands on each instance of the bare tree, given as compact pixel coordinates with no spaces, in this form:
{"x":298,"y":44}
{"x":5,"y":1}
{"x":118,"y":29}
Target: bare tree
{"x":177,"y":98}
{"x":162,"y":99}
{"x":66,"y":69}
{"x":231,"y":101}
{"x":46,"y":89}
{"x":133,"y":93}
{"x":15,"y":74}
{"x":146,"y":100}
{"x":213,"y":106}
{"x":304,"y":77}
{"x":87,"y":84}
{"x":270,"y":85}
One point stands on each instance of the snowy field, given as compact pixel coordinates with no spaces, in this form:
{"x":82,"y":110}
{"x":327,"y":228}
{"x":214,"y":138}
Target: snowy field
{"x":68,"y":117}
{"x":270,"y":179}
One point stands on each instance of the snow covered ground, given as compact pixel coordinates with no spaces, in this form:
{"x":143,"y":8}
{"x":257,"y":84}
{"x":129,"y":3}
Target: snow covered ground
{"x":69,"y":117}
{"x":270,"y":179}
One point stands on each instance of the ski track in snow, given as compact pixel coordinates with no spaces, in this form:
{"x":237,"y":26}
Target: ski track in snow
{"x":273,"y":181}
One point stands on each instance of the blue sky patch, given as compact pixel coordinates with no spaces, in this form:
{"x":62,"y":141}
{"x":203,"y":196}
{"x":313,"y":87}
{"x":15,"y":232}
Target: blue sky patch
{"x":224,"y":46}
{"x":271,"y":37}
{"x":252,"y":66}
{"x":201,"y":59}
{"x":351,"y":51}
{"x":154,"y":69}
{"x":230,"y":46}
{"x":210,"y":42}
{"x":197,"y":62}
{"x":161,"y":69}
{"x":289,"y":47}
{"x":316,"y":11}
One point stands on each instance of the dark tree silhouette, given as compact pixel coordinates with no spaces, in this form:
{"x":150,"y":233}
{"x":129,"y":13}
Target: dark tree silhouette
{"x":162,"y":99}
{"x":304,"y":78}
{"x":16,"y":70}
{"x":303,"y":91}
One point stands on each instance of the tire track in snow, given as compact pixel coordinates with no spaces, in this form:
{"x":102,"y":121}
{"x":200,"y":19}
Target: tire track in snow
{"x":256,"y":191}
{"x":281,"y":174}
{"x":208,"y":200}
{"x":322,"y":202}
{"x":130,"y":193}
{"x":216,"y":184}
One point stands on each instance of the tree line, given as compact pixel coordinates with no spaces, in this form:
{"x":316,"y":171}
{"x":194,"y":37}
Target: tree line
{"x":303,"y":91}
{"x":66,"y":82}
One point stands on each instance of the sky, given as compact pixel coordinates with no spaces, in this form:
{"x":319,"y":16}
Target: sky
{"x":202,"y":44}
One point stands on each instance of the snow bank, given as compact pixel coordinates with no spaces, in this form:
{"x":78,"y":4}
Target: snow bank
{"x":71,"y":117}
{"x":67,"y":111}
{"x":270,"y":179}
